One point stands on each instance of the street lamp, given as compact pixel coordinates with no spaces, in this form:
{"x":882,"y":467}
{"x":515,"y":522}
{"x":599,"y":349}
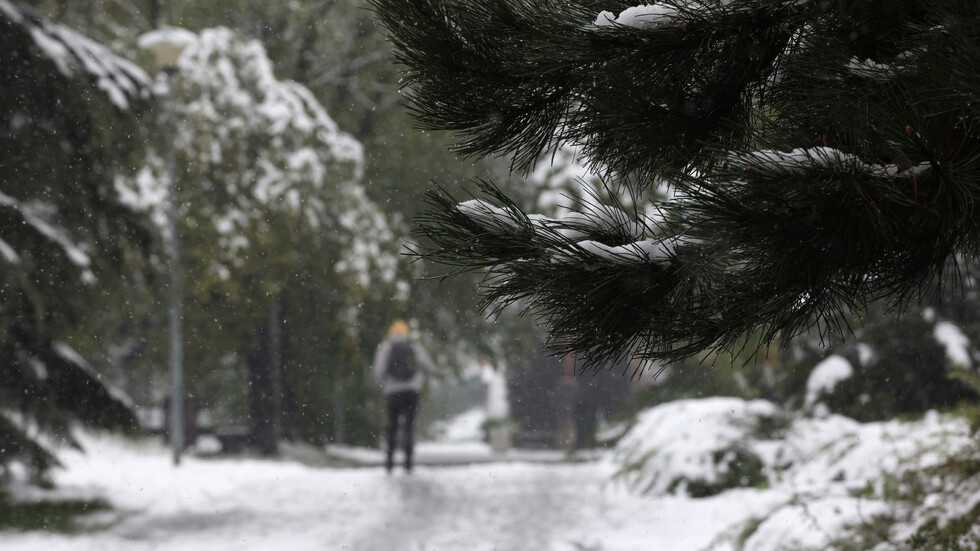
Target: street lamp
{"x":166,"y":45}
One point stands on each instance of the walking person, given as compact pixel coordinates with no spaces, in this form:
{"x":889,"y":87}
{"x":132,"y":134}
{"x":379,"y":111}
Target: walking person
{"x":400,"y":366}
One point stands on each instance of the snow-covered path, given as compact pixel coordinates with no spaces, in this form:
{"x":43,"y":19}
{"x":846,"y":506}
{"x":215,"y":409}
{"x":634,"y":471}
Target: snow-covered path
{"x":267,"y":505}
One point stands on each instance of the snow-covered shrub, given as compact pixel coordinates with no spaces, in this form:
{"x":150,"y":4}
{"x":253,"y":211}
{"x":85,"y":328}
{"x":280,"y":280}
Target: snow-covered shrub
{"x":707,"y":442}
{"x":698,"y":447}
{"x":808,"y":526}
{"x":886,"y":486}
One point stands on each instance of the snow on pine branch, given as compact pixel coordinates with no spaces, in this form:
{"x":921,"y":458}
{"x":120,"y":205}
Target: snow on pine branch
{"x":8,"y":253}
{"x":74,"y":55}
{"x":652,"y":16}
{"x":659,"y":252}
{"x":576,"y":226}
{"x":33,"y":218}
{"x":803,"y":160}
{"x":641,"y":17}
{"x":573,"y":239}
{"x":68,"y":354}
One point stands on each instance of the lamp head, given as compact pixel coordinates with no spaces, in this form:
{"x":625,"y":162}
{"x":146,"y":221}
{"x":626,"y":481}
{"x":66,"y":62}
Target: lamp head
{"x":167,"y":44}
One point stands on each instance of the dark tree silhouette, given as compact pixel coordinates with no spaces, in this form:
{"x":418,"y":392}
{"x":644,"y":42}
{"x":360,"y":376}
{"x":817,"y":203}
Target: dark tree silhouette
{"x":68,"y":119}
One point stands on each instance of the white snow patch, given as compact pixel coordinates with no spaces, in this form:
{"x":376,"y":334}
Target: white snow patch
{"x":69,"y":354}
{"x":957,"y":345}
{"x":264,"y":504}
{"x":810,"y":526}
{"x":866,"y":354}
{"x":32,"y":216}
{"x":8,"y":253}
{"x":647,"y":251}
{"x":867,"y":68}
{"x":800,"y":161}
{"x":465,"y":427}
{"x":825,"y":376}
{"x":640,"y":17}
{"x":678,"y":441}
{"x":12,"y":13}
{"x":489,"y":216}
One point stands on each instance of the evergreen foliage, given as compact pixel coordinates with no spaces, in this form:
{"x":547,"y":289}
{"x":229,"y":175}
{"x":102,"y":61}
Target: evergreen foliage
{"x":906,"y":374}
{"x":822,"y":155}
{"x":68,"y":115}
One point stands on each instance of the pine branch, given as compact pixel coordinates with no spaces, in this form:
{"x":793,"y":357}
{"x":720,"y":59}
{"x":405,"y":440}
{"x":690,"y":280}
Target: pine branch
{"x":520,"y":77}
{"x":826,"y":155}
{"x":19,"y":445}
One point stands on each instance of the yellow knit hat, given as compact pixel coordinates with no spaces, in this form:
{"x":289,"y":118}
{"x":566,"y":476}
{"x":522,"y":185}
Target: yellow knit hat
{"x":399,"y":329}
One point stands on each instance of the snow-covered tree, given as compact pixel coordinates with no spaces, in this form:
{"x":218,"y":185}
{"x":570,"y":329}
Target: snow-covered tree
{"x":823,"y":154}
{"x":275,"y":223}
{"x":68,"y":119}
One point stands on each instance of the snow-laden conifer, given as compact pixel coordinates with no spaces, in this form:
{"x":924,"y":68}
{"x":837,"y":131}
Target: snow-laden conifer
{"x":68,"y":125}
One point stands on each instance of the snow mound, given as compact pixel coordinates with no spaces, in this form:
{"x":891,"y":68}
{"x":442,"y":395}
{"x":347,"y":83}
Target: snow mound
{"x":695,"y":447}
{"x":810,"y":526}
{"x":702,"y":447}
{"x":828,"y":478}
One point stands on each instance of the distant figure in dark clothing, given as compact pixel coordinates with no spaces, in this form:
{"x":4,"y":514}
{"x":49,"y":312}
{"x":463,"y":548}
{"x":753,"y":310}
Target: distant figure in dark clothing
{"x":598,"y":394}
{"x":400,"y":366}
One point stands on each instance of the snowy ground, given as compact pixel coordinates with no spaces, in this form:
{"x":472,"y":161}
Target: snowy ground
{"x":259,"y":505}
{"x":822,"y":476}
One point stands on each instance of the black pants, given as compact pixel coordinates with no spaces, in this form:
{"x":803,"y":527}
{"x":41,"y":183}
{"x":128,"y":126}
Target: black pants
{"x":402,"y":405}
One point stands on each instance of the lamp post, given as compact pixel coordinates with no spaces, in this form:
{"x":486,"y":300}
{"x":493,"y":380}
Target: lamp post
{"x":167,"y":45}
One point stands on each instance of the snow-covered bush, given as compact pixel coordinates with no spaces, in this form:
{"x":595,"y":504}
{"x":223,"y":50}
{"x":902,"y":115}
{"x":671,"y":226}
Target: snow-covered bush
{"x":834,"y":483}
{"x":702,"y":447}
{"x":886,"y":486}
{"x":698,"y":447}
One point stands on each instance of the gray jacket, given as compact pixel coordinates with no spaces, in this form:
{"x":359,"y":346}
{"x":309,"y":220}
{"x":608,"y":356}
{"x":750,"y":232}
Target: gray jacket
{"x":389,"y":385}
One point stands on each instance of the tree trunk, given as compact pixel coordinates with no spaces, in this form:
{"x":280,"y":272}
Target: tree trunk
{"x":153,"y":13}
{"x":265,"y":385}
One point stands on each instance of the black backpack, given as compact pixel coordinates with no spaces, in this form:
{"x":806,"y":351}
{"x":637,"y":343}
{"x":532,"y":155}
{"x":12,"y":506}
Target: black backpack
{"x":401,"y":361}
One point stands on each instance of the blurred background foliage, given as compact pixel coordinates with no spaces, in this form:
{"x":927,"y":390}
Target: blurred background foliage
{"x":283,"y":309}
